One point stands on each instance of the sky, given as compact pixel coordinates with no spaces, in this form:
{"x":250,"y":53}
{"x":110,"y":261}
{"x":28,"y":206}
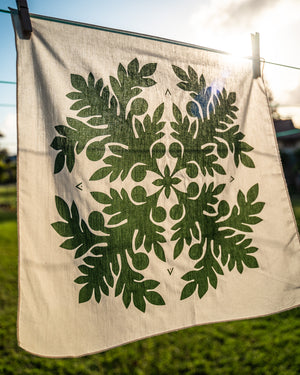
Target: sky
{"x":219,"y":24}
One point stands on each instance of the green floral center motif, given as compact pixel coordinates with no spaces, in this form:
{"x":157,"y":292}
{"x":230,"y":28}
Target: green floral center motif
{"x":167,"y":181}
{"x":122,"y":137}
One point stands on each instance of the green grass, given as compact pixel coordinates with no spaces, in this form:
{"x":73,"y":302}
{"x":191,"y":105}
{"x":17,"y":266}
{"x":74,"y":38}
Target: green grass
{"x":8,"y":197}
{"x":296,"y":207}
{"x":261,"y":346}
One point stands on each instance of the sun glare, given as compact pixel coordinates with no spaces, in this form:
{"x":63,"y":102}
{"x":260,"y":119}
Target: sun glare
{"x":238,"y":45}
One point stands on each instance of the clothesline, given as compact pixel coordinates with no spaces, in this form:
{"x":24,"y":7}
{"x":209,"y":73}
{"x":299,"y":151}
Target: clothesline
{"x":74,"y":23}
{"x":9,"y":82}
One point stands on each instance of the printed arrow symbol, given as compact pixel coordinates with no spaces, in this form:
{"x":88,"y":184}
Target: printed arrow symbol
{"x":168,"y":92}
{"x":79,"y":186}
{"x":231,"y":178}
{"x":170,"y":270}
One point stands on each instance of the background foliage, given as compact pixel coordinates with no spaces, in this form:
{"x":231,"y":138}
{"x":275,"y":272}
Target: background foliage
{"x":7,"y":166}
{"x":263,"y":346}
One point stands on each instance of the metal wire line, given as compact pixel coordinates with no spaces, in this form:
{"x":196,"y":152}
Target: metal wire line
{"x":74,"y":23}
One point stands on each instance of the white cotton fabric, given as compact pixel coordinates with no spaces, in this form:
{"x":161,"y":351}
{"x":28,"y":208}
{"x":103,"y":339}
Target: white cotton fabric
{"x":51,"y":322}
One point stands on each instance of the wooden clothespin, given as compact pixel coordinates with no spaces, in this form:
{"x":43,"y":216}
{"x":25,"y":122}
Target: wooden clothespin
{"x":255,"y":55}
{"x":24,"y":18}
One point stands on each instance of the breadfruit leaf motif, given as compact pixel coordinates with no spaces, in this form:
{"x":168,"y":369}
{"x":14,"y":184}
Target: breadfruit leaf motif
{"x":115,"y":250}
{"x":211,"y":128}
{"x":106,"y":265}
{"x":107,"y":110}
{"x":207,"y":225}
{"x":128,"y":153}
{"x":215,"y":231}
{"x":116,"y":122}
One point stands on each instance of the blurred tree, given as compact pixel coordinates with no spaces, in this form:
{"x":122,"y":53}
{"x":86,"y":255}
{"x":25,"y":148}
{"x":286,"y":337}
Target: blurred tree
{"x":7,"y":166}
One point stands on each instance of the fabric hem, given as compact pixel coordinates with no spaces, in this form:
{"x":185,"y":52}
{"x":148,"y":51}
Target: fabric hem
{"x":164,"y":332}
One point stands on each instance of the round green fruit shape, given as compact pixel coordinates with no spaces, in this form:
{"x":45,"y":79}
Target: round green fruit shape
{"x":176,"y":212}
{"x":222,"y":150}
{"x":139,"y":194}
{"x":192,"y":170}
{"x":159,"y":214}
{"x":95,"y":151}
{"x":158,"y":150}
{"x":139,"y":106}
{"x":193,"y":109}
{"x":192,"y":190}
{"x":223,"y":208}
{"x":140,"y":261}
{"x":96,"y":220}
{"x":195,"y":251}
{"x":175,"y":150}
{"x":139,"y":173}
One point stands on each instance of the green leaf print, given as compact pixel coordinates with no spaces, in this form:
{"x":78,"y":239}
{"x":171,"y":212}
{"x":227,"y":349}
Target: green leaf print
{"x":160,"y":185}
